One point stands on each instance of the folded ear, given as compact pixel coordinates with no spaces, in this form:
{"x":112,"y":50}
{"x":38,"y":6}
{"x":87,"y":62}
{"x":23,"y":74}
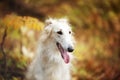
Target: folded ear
{"x":47,"y":24}
{"x":48,"y":27}
{"x":49,"y":21}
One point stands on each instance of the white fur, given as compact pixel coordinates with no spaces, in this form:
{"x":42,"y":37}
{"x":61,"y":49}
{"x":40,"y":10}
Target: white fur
{"x":48,"y":63}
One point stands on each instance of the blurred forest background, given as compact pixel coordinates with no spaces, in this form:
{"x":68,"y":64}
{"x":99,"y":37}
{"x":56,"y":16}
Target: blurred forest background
{"x":96,"y":24}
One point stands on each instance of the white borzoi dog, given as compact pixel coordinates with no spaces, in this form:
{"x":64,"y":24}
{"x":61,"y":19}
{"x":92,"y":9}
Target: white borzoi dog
{"x":52,"y":61}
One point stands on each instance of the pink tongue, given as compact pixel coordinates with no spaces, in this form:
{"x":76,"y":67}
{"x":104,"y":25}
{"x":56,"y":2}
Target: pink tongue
{"x":66,"y":57}
{"x":64,"y":54}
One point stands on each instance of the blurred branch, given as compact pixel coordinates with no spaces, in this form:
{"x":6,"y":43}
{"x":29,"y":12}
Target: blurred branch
{"x":22,"y":8}
{"x":3,"y":52}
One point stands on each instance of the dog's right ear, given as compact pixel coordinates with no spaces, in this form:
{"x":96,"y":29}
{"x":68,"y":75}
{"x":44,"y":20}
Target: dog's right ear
{"x":49,"y":21}
{"x":48,"y":27}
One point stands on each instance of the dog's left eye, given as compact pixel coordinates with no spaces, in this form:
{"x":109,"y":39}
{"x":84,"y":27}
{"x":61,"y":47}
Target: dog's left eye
{"x":70,"y":32}
{"x":60,"y":32}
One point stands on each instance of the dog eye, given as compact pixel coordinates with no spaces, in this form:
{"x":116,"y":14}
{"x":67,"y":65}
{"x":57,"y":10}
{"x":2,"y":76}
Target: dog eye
{"x":60,"y":32}
{"x":70,"y":32}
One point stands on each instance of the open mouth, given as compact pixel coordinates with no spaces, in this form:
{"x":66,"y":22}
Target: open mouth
{"x":64,"y":53}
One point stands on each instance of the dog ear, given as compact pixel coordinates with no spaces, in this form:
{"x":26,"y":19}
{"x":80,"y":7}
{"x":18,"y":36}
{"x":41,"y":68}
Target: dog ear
{"x":47,"y":24}
{"x":48,"y":32}
{"x":48,"y":27}
{"x":49,"y":21}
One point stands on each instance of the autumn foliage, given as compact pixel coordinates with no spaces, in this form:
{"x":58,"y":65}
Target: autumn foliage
{"x":15,"y":21}
{"x":97,"y":31}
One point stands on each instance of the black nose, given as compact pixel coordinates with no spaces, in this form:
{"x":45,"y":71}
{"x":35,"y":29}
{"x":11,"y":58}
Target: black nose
{"x":70,"y":49}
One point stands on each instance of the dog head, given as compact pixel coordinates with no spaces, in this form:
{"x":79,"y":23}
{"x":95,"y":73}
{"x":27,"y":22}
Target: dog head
{"x":60,"y":31}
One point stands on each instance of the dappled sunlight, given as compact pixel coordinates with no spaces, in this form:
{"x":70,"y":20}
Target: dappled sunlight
{"x":96,"y":25}
{"x":81,"y":50}
{"x":13,"y":20}
{"x":94,"y":55}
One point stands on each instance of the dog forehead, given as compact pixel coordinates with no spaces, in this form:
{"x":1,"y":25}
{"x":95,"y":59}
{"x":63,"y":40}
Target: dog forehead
{"x":61,"y":26}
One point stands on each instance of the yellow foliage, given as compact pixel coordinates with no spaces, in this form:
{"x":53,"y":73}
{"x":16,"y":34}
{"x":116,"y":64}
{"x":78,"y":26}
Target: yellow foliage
{"x":16,"y":21}
{"x":33,"y":23}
